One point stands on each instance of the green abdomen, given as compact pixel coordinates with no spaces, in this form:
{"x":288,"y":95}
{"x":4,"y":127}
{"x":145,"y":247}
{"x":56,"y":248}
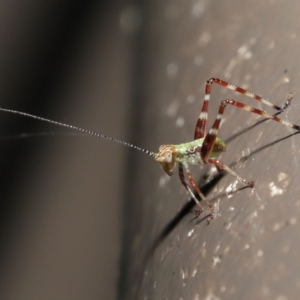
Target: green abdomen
{"x":186,"y":152}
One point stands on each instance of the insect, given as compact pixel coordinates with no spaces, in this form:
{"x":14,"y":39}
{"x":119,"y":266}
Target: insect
{"x":204,"y":149}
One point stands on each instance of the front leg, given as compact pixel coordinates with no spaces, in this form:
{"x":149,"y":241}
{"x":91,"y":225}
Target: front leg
{"x":195,"y":187}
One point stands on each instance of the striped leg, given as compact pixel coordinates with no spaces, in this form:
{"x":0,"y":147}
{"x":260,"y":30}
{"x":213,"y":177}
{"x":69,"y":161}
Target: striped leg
{"x":201,"y":126}
{"x":195,"y":187}
{"x":210,"y":139}
{"x":249,"y":94}
{"x":181,"y":176}
{"x":255,"y":111}
{"x":222,"y":166}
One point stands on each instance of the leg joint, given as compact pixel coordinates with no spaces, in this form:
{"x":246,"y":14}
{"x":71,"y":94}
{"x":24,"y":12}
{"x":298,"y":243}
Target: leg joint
{"x":210,"y":81}
{"x":225,"y":102}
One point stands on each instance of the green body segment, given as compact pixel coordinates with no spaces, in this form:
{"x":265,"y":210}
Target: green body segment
{"x":189,"y":153}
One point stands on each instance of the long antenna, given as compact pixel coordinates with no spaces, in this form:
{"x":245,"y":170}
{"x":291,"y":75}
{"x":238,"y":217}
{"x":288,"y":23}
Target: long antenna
{"x":89,"y":132}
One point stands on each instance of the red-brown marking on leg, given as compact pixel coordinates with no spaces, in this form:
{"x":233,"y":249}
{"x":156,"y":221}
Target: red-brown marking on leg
{"x":259,"y":112}
{"x":247,"y":93}
{"x":222,"y":166}
{"x":181,"y":176}
{"x":201,"y":126}
{"x":195,"y":187}
{"x":210,"y":139}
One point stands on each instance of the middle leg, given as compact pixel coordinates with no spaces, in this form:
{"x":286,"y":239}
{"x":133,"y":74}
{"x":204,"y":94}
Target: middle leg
{"x":197,"y":190}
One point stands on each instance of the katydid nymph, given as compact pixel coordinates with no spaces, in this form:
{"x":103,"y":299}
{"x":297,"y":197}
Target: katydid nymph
{"x":204,"y":149}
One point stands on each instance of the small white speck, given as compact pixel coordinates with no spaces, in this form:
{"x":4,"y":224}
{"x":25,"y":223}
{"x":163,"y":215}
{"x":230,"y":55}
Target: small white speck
{"x":198,"y":9}
{"x":275,"y":190}
{"x":194,"y":272}
{"x":247,"y":246}
{"x":276,"y":227}
{"x":180,"y":122}
{"x":172,"y":69}
{"x":244,"y":52}
{"x":190,"y":99}
{"x":211,"y":296}
{"x":228,"y":226}
{"x":231,"y":208}
{"x":155,"y":285}
{"x":284,"y":179}
{"x":204,"y":39}
{"x":260,"y":253}
{"x":230,"y":67}
{"x":248,"y":55}
{"x":226,"y":250}
{"x":222,"y":288}
{"x":190,"y":232}
{"x":282,"y":176}
{"x":173,"y":108}
{"x":196,"y":297}
{"x":232,"y":187}
{"x":183,"y":274}
{"x":293,"y":221}
{"x":163,"y":180}
{"x":281,"y":297}
{"x":216,"y":260}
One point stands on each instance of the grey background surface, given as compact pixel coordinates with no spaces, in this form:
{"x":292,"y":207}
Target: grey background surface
{"x":79,"y":215}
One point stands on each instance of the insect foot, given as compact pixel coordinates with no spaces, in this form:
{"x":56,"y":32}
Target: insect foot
{"x":210,"y":217}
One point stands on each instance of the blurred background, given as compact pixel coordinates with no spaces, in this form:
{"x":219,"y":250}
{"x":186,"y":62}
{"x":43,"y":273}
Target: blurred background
{"x":84,"y":218}
{"x":61,"y":216}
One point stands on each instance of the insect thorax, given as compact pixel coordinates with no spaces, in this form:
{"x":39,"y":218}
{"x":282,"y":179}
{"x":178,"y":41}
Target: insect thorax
{"x":189,"y":153}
